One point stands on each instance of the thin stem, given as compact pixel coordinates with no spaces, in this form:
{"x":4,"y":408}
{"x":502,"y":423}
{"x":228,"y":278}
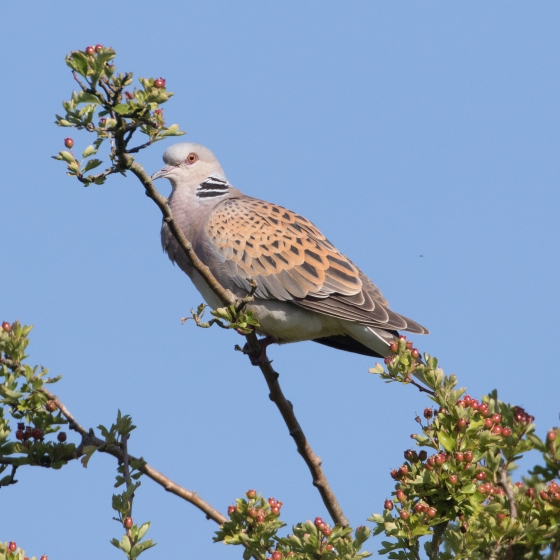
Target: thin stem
{"x":503,"y":482}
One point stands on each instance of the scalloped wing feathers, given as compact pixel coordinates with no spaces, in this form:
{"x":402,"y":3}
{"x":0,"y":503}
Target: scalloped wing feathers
{"x":292,"y":260}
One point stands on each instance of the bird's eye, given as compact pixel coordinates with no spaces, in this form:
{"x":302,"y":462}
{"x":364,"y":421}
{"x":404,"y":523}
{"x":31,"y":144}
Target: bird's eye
{"x":191,"y":158}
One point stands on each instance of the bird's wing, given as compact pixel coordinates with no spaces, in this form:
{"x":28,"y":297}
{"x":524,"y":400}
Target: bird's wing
{"x":291,"y":260}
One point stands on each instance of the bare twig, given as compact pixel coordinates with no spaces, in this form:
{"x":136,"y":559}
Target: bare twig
{"x":503,"y":482}
{"x":84,"y":88}
{"x":419,"y":387}
{"x":276,"y":395}
{"x":115,"y":450}
{"x":313,"y":461}
{"x":138,"y":148}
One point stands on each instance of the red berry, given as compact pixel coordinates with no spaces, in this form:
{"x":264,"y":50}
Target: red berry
{"x":98,"y":48}
{"x":415,"y":354}
{"x":440,"y":459}
{"x":20,"y":434}
{"x":395,"y":474}
{"x":326,"y":531}
{"x":428,"y":413}
{"x":468,"y":456}
{"x":496,"y":418}
{"x":231,"y":510}
{"x":431,"y":512}
{"x":403,"y":471}
{"x":90,"y":50}
{"x":409,"y":345}
{"x":530,"y":492}
{"x":480,"y":475}
{"x":458,"y":456}
{"x":483,"y":489}
{"x":37,"y":434}
{"x":551,"y":436}
{"x":506,"y":432}
{"x":461,"y":423}
{"x":251,"y":494}
{"x":411,"y":455}
{"x":275,"y":510}
{"x":501,"y":516}
{"x":276,"y":555}
{"x":544,"y":495}
{"x":279,"y":504}
{"x":422,"y":455}
{"x":260,"y":519}
{"x":272,"y":501}
{"x":518,"y":484}
{"x":401,"y":496}
{"x":402,"y":337}
{"x":388,"y":360}
{"x":252,"y":512}
{"x":468,"y":400}
{"x":61,"y":437}
{"x":394,"y":347}
{"x":553,"y":487}
{"x":404,"y":514}
{"x":128,"y":522}
{"x":50,"y":406}
{"x":44,"y":557}
{"x":432,"y":460}
{"x":488,"y":423}
{"x":330,"y":547}
{"x":464,"y":528}
{"x":318,"y":521}
{"x":418,"y":507}
{"x":68,"y":142}
{"x":388,"y":505}
{"x":6,"y":327}
{"x":453,"y":479}
{"x":159,"y":83}
{"x":497,"y":429}
{"x":12,"y":546}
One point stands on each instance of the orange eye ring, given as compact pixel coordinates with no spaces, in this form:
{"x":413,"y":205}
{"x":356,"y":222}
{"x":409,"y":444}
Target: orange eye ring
{"x":191,"y":158}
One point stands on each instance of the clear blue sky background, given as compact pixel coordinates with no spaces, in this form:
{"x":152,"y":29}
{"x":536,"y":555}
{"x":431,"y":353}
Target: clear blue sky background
{"x":400,"y":128}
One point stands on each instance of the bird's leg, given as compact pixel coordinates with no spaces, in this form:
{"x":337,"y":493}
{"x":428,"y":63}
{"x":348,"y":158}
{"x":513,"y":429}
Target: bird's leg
{"x":259,"y":357}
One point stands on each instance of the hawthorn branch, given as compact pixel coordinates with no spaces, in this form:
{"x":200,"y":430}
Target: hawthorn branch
{"x":503,"y":482}
{"x":276,"y":395}
{"x":88,"y":438}
{"x":437,"y":539}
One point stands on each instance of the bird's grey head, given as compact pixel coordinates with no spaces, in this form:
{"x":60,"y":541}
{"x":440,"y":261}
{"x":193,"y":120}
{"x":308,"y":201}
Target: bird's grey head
{"x":189,"y":164}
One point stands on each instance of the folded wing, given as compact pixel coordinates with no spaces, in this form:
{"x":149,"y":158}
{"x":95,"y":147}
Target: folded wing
{"x":291,"y":260}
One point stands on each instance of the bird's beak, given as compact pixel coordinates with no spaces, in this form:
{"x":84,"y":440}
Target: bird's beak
{"x":163,"y":172}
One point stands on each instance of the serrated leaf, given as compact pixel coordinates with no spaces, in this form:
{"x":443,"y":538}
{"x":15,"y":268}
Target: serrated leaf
{"x":92,"y":164}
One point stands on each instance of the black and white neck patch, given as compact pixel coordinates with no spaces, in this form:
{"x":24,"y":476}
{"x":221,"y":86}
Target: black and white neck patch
{"x":212,"y":186}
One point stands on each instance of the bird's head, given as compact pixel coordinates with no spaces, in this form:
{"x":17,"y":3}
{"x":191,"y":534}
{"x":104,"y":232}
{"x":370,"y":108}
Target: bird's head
{"x":188,"y":164}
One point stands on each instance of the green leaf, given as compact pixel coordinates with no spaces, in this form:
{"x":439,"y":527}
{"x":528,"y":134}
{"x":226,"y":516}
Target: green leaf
{"x":66,"y":156}
{"x":89,"y":450}
{"x":92,"y":164}
{"x":121,"y":109}
{"x":89,"y":151}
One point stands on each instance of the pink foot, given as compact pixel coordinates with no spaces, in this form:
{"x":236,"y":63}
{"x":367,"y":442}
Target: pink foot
{"x":259,"y":358}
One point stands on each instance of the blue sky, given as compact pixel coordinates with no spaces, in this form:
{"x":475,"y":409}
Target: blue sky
{"x":400,"y":128}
